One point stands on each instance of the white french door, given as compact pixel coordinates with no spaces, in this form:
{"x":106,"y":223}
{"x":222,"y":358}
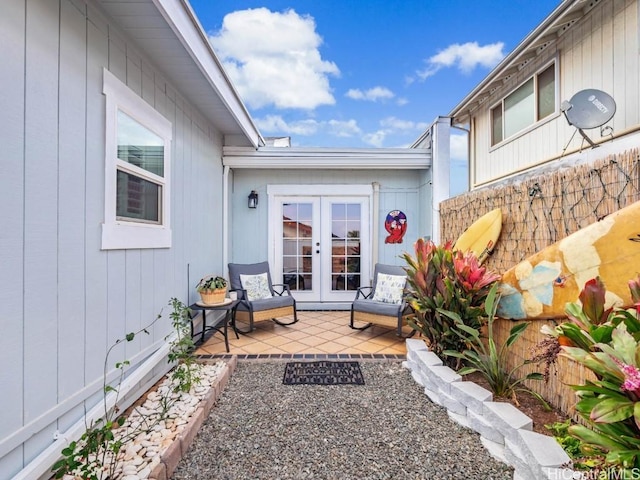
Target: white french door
{"x":321,"y":245}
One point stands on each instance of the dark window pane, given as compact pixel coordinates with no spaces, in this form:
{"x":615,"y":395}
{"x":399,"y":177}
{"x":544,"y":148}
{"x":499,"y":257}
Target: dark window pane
{"x":137,"y":198}
{"x":547,"y":92}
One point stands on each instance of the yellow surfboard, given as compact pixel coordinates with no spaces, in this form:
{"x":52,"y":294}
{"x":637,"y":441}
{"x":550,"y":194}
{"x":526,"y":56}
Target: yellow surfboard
{"x":542,"y":285}
{"x":481,"y":236}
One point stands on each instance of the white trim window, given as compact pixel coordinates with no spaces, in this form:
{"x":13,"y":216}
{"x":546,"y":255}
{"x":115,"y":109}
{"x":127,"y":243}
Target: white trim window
{"x":531,"y":102}
{"x":137,"y":171}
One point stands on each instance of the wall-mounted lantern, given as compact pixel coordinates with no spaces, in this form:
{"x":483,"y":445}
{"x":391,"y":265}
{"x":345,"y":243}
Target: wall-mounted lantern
{"x":253,"y":199}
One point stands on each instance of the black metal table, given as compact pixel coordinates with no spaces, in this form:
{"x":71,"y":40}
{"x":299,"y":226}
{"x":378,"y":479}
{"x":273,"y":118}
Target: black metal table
{"x":220,"y":325}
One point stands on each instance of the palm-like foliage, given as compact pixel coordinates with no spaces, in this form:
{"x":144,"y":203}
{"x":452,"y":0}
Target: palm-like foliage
{"x":487,"y":358}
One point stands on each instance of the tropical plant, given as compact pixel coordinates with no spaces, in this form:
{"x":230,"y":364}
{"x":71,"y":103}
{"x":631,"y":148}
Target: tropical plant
{"x":607,"y":342}
{"x":489,"y":360}
{"x":211,"y":282}
{"x":443,"y":280}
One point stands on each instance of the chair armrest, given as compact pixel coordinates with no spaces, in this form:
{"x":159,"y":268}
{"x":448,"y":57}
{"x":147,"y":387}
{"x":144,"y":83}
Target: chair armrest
{"x":242,"y":293}
{"x":285,"y":289}
{"x":361,"y":291}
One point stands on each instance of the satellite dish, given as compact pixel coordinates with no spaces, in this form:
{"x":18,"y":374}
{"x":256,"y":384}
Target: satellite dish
{"x":589,"y":108}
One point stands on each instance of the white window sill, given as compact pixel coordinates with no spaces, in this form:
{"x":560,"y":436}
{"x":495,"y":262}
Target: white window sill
{"x":122,"y":235}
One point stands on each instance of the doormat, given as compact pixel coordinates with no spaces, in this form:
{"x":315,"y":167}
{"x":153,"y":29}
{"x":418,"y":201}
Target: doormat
{"x":323,"y":373}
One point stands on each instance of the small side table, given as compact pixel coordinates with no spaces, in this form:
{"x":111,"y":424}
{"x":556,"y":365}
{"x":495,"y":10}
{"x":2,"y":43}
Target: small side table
{"x":219,"y":326}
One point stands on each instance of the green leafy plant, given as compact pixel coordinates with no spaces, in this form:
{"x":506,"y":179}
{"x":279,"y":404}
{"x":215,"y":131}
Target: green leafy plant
{"x":184,"y":374}
{"x":607,"y":342}
{"x":576,"y":449}
{"x":442,"y":280}
{"x":211,"y":282}
{"x":489,"y":360}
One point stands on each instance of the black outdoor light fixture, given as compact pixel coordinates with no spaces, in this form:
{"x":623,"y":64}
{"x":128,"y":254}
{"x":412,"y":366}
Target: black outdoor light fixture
{"x":253,"y":199}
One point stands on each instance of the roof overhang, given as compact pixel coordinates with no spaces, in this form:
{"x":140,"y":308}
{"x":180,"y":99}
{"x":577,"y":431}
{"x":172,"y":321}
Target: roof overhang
{"x":170,"y":35}
{"x":548,"y":32}
{"x":328,"y":158}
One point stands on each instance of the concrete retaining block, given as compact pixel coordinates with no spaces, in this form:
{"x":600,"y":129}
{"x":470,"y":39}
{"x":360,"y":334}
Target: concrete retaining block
{"x":504,"y":430}
{"x":496,"y":450}
{"x":507,"y":419}
{"x":472,"y":395}
{"x":443,"y":377}
{"x":541,"y":450}
{"x":414,"y":345}
{"x":516,"y":459}
{"x":451,"y":404}
{"x":460,"y":419}
{"x":479,"y":424}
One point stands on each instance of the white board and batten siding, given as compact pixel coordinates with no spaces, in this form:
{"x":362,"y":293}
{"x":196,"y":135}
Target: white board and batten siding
{"x":63,"y":300}
{"x":600,"y":51}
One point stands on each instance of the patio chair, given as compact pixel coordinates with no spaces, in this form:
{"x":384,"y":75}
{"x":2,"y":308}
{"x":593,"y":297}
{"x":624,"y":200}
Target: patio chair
{"x":383,"y":303}
{"x":259,"y":300}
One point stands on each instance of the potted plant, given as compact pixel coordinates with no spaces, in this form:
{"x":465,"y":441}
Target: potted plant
{"x":212,"y":289}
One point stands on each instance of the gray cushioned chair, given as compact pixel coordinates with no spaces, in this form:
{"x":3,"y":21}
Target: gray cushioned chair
{"x":280,"y":304}
{"x":365,"y":309}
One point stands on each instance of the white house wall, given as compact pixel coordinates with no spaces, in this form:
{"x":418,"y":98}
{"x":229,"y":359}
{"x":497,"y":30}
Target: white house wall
{"x":601,"y":52}
{"x":63,"y":300}
{"x":406,"y":190}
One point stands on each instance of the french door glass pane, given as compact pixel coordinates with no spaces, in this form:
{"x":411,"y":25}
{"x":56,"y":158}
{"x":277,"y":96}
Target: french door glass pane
{"x":297,"y":247}
{"x":345,"y":246}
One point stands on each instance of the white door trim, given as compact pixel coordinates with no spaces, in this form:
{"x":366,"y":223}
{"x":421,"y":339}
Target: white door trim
{"x":354,"y":190}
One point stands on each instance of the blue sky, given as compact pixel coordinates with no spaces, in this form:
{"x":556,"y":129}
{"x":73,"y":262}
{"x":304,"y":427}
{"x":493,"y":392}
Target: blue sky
{"x":361,"y":73}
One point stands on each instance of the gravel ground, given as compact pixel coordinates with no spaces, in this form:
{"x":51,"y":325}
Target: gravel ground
{"x":386,"y":429}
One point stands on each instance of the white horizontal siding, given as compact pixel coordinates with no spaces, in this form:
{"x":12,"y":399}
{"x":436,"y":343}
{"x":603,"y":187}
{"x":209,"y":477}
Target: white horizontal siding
{"x":601,"y":52}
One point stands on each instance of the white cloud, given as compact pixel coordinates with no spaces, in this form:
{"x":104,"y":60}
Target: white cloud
{"x":373,"y":94}
{"x":341,"y":128}
{"x":396,"y":124}
{"x":275,"y":123}
{"x":465,"y":57}
{"x":273,"y":58}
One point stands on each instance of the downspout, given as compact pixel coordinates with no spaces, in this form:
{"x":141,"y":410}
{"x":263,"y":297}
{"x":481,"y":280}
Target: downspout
{"x":375,"y":226}
{"x":225,"y":216}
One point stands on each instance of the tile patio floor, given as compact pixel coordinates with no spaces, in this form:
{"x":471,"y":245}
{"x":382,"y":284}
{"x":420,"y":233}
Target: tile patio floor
{"x":317,"y":334}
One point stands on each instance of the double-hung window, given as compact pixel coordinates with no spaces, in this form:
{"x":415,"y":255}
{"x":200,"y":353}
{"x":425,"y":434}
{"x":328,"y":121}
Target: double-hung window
{"x":531,"y":102}
{"x":137,"y":167}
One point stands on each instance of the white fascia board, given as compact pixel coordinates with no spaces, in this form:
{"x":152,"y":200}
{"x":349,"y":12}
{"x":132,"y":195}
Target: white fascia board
{"x":184,"y":23}
{"x":328,"y":158}
{"x":541,"y":30}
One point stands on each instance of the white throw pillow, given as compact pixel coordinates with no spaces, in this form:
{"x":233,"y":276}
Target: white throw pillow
{"x":389,"y":288}
{"x":257,"y":286}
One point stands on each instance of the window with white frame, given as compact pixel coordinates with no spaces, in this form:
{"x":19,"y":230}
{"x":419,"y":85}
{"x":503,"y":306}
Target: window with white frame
{"x":531,"y":102}
{"x":137,"y":167}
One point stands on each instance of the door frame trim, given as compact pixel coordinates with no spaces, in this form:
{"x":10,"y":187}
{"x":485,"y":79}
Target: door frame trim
{"x":342,"y":190}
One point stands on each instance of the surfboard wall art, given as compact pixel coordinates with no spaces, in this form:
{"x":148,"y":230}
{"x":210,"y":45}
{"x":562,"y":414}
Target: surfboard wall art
{"x":542,"y":285}
{"x":481,"y":236}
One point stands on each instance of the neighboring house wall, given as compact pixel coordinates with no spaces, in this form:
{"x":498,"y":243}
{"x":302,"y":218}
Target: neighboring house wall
{"x":406,"y":190}
{"x":63,"y":300}
{"x":600,"y":51}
